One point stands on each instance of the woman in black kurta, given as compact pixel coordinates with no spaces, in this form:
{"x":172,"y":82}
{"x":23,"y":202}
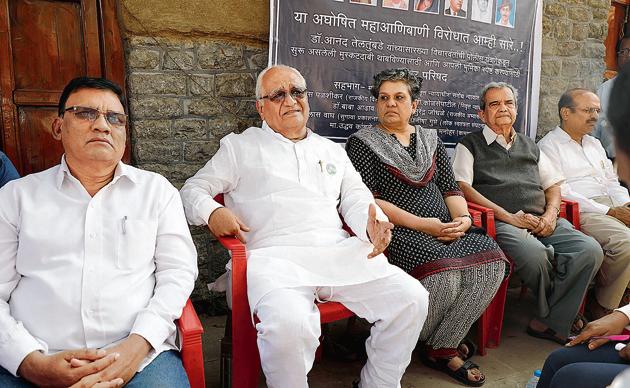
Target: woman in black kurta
{"x":409,"y":172}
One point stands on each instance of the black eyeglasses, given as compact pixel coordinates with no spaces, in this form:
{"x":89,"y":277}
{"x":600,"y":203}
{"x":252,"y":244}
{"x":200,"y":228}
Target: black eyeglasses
{"x":280,"y":95}
{"x":84,"y":113}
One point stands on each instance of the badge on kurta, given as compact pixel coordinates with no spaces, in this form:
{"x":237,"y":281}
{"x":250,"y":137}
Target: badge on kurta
{"x":331,"y":169}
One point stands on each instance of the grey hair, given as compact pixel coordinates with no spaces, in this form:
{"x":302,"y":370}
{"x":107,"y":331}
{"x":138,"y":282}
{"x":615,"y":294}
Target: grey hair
{"x":414,"y":82}
{"x":496,"y":85}
{"x":262,"y":75}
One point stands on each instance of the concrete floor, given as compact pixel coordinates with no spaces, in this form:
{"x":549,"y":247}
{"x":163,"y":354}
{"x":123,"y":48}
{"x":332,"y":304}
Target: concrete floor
{"x":509,"y":365}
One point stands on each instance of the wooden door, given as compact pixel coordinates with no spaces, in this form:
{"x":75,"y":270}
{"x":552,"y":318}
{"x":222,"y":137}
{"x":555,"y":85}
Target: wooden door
{"x":43,"y":45}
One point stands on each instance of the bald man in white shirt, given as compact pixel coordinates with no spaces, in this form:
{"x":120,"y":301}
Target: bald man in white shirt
{"x":96,"y":259}
{"x":285,"y":188}
{"x":592,"y":182}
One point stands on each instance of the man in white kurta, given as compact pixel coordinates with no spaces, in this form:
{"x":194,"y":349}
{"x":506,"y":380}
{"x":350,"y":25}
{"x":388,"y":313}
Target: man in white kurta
{"x":592,"y":182}
{"x":285,"y":188}
{"x":94,"y":254}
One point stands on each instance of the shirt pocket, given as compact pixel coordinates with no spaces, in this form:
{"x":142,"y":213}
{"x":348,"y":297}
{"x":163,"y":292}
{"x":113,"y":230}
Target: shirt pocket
{"x":136,"y":243}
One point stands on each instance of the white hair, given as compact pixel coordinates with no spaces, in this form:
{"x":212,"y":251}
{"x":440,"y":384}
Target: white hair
{"x":262,"y":75}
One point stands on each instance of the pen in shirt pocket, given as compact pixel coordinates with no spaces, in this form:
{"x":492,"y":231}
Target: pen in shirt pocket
{"x":321,"y":165}
{"x":124,"y":225}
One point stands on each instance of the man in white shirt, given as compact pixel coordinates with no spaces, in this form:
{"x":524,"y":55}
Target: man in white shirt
{"x":592,"y":182}
{"x":603,"y":130}
{"x":597,"y":363}
{"x":285,"y":187}
{"x":505,"y":171}
{"x":96,"y":259}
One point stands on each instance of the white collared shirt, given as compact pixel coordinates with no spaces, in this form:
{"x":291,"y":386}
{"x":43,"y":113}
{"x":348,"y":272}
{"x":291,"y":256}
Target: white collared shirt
{"x":290,"y":195}
{"x":78,"y":271}
{"x":589,"y":173}
{"x":463,"y":162}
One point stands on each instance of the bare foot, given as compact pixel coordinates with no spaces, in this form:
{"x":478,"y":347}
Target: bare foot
{"x":474,"y":374}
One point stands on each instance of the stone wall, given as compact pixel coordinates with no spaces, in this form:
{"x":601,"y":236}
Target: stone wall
{"x":572,"y":52}
{"x":191,"y":72}
{"x":185,"y":95}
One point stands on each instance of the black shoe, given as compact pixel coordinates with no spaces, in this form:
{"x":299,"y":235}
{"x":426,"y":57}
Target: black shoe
{"x":355,"y":383}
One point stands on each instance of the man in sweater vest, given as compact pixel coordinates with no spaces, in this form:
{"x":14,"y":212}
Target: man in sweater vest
{"x":592,"y":182}
{"x":505,"y":171}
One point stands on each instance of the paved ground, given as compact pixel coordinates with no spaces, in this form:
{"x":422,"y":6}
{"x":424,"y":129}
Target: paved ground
{"x":509,"y":365}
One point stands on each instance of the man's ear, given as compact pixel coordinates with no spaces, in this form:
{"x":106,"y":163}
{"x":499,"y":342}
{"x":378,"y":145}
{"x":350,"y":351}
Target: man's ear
{"x":564,"y":113}
{"x":56,"y":128}
{"x":259,"y":109}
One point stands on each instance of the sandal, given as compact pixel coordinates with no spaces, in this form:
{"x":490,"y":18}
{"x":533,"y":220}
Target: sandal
{"x":549,"y":334}
{"x":461,"y":374}
{"x":470,"y":349}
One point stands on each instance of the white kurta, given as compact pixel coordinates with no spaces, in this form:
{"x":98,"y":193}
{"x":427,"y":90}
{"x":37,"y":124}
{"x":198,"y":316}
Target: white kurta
{"x":290,"y":195}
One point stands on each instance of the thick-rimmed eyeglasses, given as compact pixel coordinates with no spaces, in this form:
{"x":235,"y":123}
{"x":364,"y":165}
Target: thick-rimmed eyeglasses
{"x":87,"y":114}
{"x":280,"y":95}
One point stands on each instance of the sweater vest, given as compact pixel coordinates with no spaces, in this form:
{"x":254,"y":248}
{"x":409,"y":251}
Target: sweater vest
{"x":508,"y":178}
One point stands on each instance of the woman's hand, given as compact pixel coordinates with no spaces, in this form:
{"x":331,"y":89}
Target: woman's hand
{"x":611,"y":324}
{"x":444,"y":231}
{"x":466,"y":223}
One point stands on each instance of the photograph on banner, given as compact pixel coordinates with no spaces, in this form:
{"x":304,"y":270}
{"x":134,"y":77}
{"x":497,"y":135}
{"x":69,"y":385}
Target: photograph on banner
{"x":455,"y":8}
{"x":396,"y":4}
{"x":481,"y":11}
{"x":340,"y":46}
{"x":429,"y":6}
{"x":505,"y":13}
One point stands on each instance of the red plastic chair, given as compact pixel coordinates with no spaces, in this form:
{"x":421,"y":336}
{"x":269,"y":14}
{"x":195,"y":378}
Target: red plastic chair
{"x":490,"y":324}
{"x":190,"y":330}
{"x":245,"y":358}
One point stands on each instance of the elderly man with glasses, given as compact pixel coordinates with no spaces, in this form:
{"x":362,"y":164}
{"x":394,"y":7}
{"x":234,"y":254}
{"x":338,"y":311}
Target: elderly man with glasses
{"x":285,"y":188}
{"x":96,"y":259}
{"x":592,"y":182}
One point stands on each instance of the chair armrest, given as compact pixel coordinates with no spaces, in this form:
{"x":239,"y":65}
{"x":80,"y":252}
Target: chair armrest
{"x":189,"y":323}
{"x":487,"y":217}
{"x":190,"y":329}
{"x":571,"y":212}
{"x":476,"y":217}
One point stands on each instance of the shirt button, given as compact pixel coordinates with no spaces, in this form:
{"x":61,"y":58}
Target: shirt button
{"x":92,"y":235}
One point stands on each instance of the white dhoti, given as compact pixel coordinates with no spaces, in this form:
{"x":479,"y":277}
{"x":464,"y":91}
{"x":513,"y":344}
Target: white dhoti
{"x":289,"y":328}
